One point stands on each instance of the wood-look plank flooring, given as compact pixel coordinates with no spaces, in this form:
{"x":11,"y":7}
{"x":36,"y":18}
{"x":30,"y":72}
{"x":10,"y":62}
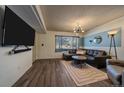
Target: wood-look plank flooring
{"x":50,"y":73}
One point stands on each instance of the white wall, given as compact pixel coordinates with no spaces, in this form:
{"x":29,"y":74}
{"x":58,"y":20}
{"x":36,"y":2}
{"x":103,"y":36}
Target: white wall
{"x":48,"y":39}
{"x":12,"y":67}
{"x":106,"y":27}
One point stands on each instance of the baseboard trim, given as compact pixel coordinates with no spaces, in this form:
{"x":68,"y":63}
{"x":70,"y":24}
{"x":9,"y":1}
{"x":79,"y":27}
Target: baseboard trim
{"x":47,"y":59}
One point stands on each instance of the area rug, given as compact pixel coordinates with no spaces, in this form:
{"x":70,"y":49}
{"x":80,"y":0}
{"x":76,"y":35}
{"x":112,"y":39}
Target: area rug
{"x":85,"y":75}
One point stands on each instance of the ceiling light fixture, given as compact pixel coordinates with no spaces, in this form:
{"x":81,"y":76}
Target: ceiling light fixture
{"x":78,"y":29}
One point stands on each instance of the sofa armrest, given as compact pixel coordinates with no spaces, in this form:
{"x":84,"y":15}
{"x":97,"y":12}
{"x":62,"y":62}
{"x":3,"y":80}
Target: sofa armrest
{"x":101,"y":60}
{"x":123,"y":79}
{"x":115,"y":62}
{"x":101,"y":57}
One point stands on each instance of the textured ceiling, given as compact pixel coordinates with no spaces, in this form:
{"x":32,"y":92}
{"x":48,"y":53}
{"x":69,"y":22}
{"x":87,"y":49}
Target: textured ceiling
{"x":64,"y":18}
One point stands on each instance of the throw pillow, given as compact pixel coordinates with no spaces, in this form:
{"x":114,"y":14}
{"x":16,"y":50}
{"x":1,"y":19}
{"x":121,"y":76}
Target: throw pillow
{"x":81,"y":52}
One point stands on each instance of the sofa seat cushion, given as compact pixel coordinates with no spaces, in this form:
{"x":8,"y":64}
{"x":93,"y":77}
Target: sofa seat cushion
{"x":115,"y":71}
{"x":90,"y":58}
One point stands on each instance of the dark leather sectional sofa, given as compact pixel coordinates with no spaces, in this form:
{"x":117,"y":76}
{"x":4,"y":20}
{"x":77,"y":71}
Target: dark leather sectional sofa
{"x":96,"y":58}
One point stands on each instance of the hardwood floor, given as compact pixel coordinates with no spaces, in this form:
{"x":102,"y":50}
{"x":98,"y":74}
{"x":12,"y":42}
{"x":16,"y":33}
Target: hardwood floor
{"x":50,"y":73}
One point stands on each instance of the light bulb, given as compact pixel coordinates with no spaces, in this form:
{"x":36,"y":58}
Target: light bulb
{"x":82,"y":30}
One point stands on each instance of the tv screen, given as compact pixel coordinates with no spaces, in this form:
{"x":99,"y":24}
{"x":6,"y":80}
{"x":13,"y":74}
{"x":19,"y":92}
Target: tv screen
{"x":16,"y":31}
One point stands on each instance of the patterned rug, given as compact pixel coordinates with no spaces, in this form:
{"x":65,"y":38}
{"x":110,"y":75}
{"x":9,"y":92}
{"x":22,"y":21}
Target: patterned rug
{"x":85,"y":75}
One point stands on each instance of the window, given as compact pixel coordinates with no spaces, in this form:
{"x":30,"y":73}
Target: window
{"x":64,"y":43}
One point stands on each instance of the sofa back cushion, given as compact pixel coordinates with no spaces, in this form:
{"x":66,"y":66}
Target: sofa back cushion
{"x":87,"y":52}
{"x":91,"y":52}
{"x":97,"y":53}
{"x":73,"y":51}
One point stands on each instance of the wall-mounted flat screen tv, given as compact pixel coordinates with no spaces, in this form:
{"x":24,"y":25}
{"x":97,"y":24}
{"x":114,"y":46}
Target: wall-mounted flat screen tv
{"x":16,"y":30}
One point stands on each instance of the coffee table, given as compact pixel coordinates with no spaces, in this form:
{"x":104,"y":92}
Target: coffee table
{"x":79,"y":61}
